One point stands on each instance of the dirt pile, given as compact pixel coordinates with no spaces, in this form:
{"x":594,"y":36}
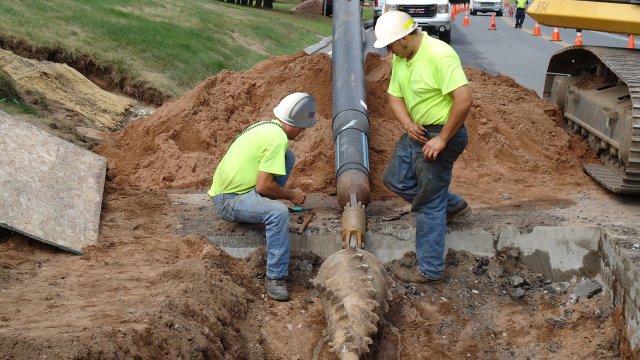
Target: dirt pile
{"x":515,"y":146}
{"x":180,"y":145}
{"x":310,"y":7}
{"x":143,"y":295}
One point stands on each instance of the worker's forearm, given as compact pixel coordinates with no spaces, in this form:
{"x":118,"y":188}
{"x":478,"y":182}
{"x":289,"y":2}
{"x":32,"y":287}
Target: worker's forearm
{"x":458,"y":114}
{"x":274,"y":191}
{"x":455,"y":122}
{"x":399,"y":110}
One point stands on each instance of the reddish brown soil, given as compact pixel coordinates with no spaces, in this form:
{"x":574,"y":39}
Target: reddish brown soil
{"x":309,"y":7}
{"x":522,"y":152}
{"x":148,"y":291}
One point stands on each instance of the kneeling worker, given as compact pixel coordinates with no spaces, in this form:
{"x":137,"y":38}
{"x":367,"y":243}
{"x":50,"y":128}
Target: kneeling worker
{"x":252,"y":176}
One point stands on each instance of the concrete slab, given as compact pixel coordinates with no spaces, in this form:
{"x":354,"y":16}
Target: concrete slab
{"x":51,"y":189}
{"x":558,"y":252}
{"x":384,"y":247}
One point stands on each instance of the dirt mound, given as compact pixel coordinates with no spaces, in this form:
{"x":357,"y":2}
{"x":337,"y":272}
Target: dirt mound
{"x":311,"y":7}
{"x":517,"y":146}
{"x":180,"y":145}
{"x":149,"y":294}
{"x":515,"y":143}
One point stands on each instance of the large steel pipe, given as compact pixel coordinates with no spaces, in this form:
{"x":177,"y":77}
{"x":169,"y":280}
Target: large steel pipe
{"x":350,"y":115}
{"x":353,"y":284}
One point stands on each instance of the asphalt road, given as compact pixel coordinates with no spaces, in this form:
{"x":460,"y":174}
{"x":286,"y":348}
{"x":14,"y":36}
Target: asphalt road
{"x":512,"y":52}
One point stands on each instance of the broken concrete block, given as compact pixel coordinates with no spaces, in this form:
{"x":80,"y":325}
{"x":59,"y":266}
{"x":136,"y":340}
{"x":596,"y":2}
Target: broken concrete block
{"x":516,"y":280}
{"x":587,"y":289}
{"x":518,"y":294}
{"x":51,"y":189}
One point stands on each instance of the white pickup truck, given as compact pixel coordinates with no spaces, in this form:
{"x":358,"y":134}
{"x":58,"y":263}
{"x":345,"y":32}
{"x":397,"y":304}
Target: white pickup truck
{"x":434,"y":16}
{"x":485,"y":6}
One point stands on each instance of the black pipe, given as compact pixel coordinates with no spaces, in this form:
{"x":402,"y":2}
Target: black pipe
{"x":350,"y":115}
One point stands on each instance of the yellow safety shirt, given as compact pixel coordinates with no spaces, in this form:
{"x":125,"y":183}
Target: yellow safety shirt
{"x":426,"y":81}
{"x":261,"y":147}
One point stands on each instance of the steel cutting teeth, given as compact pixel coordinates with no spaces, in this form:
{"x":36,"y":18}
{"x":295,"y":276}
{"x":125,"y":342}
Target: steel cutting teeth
{"x":352,"y":284}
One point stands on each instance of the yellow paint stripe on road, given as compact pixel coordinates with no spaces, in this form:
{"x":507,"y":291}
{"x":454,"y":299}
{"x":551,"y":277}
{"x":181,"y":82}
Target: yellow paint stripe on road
{"x":512,"y":24}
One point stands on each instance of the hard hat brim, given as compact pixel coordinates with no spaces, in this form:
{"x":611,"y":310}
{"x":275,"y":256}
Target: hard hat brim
{"x":379,"y":44}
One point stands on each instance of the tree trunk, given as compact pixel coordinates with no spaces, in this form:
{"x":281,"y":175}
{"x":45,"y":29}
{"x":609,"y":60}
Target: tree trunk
{"x":268,"y":4}
{"x":258,"y":3}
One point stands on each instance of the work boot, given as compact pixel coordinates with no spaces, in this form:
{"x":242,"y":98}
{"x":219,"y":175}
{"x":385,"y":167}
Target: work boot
{"x":276,"y":289}
{"x":412,"y":275}
{"x":459,"y":213}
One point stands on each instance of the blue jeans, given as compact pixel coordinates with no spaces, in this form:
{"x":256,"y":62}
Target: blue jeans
{"x":425,"y":184}
{"x":253,"y":208}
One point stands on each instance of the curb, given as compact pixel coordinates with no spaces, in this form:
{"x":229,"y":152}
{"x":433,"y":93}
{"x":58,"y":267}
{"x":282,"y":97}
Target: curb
{"x":312,"y":49}
{"x":318,"y":46}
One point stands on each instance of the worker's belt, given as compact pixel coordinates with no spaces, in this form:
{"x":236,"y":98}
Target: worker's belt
{"x":429,"y":129}
{"x":437,"y":128}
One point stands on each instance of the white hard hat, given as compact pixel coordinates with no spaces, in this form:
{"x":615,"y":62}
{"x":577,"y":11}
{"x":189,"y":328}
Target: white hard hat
{"x":391,"y":26}
{"x":297,"y":109}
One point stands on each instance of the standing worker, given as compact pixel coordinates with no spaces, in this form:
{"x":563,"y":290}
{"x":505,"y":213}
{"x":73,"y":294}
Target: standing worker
{"x":430,"y":97}
{"x":252,"y":176}
{"x":520,"y":7}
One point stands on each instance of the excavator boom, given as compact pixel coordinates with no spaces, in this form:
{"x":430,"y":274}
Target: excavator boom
{"x":617,"y":17}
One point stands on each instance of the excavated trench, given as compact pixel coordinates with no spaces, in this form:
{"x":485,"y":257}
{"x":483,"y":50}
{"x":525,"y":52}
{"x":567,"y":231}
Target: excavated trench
{"x":566,"y":280}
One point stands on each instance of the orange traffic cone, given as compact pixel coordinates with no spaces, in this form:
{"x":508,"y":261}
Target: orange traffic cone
{"x":453,"y":15}
{"x":556,"y":35}
{"x":632,"y":43}
{"x":492,"y":26}
{"x":466,"y":19}
{"x":578,"y":41}
{"x":536,"y":30}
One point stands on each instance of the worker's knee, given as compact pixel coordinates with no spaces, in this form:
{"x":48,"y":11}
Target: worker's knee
{"x":280,"y":212}
{"x":386,"y":179}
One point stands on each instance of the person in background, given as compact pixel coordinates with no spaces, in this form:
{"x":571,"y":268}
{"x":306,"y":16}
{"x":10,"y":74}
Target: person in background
{"x":520,"y":8}
{"x":430,"y":97}
{"x":251,"y":177}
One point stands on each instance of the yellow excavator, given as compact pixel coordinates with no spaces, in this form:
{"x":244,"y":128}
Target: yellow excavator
{"x":598,"y":88}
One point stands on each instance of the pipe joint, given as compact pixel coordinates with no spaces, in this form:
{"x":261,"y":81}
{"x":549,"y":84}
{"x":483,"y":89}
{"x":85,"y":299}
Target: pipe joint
{"x":350,"y":119}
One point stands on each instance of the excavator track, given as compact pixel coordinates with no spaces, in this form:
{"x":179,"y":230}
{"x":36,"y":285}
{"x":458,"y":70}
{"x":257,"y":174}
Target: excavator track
{"x":603,"y":116}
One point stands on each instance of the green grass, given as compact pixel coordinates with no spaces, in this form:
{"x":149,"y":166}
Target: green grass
{"x":10,"y":100}
{"x":367,"y":12}
{"x":173,"y":44}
